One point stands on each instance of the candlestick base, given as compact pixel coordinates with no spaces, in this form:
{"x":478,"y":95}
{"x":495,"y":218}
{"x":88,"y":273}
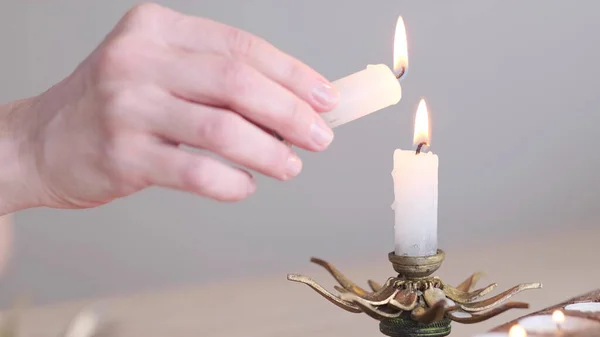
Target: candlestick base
{"x":404,"y":326}
{"x":414,"y":303}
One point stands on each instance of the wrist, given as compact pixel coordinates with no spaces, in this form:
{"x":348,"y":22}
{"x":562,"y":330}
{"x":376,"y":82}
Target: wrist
{"x":15,"y":194}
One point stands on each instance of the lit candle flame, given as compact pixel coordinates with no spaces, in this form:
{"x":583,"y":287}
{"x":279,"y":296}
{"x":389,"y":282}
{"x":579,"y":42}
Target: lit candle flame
{"x":400,"y":48}
{"x":558,"y":317}
{"x":421,"y":125}
{"x":517,"y":331}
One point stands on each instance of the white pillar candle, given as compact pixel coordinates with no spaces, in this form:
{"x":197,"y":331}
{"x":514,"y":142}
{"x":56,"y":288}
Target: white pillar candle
{"x":364,"y":92}
{"x":415,"y":179}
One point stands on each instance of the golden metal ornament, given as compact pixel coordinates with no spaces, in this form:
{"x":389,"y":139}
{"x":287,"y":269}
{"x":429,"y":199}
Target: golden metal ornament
{"x":414,"y":303}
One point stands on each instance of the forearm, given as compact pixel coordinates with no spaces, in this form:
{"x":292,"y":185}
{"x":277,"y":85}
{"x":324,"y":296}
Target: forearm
{"x":14,"y":193}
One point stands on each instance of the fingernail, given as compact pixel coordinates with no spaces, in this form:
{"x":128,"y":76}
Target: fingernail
{"x":320,"y":133}
{"x":325,"y":95}
{"x":294,"y":166}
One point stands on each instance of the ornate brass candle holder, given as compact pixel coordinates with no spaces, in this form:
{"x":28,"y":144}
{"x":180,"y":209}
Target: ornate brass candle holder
{"x":414,"y":303}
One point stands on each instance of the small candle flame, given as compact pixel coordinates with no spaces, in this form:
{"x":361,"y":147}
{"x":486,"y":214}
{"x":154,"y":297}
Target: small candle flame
{"x":558,"y":317}
{"x":421,"y":124}
{"x":517,"y":331}
{"x":400,"y":48}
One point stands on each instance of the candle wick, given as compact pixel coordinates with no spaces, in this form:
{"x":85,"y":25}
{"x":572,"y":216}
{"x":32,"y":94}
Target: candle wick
{"x":401,"y":73}
{"x":419,"y":147}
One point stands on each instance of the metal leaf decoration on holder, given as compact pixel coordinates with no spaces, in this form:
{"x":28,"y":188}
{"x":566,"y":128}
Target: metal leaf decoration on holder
{"x":414,"y":303}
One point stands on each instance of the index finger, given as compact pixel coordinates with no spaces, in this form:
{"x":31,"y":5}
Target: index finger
{"x":202,"y":35}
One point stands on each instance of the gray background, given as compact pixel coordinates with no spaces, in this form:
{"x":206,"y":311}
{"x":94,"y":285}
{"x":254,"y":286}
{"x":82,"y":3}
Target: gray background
{"x":512,"y":87}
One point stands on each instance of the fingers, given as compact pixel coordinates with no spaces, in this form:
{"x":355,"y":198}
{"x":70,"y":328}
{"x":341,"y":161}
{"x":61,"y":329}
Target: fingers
{"x":175,"y":168}
{"x":228,"y":135}
{"x":202,"y":35}
{"x":218,"y":81}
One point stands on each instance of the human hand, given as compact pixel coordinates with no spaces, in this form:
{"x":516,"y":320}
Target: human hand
{"x":159,"y":80}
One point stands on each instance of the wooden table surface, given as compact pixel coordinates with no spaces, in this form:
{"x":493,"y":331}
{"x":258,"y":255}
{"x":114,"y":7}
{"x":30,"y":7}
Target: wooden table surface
{"x":271,"y":306}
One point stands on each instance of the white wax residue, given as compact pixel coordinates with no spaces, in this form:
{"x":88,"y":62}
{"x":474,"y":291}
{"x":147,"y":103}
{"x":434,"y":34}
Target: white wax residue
{"x":362,"y":93}
{"x":416,"y":203}
{"x":461,"y":314}
{"x":545,"y":324}
{"x":584,"y":307}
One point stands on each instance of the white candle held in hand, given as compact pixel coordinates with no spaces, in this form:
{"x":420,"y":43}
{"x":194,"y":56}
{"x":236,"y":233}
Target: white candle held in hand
{"x":363,"y":93}
{"x":415,"y":178}
{"x":373,"y":88}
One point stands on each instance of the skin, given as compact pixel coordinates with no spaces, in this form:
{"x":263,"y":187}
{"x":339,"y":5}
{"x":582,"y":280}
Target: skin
{"x":159,"y":81}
